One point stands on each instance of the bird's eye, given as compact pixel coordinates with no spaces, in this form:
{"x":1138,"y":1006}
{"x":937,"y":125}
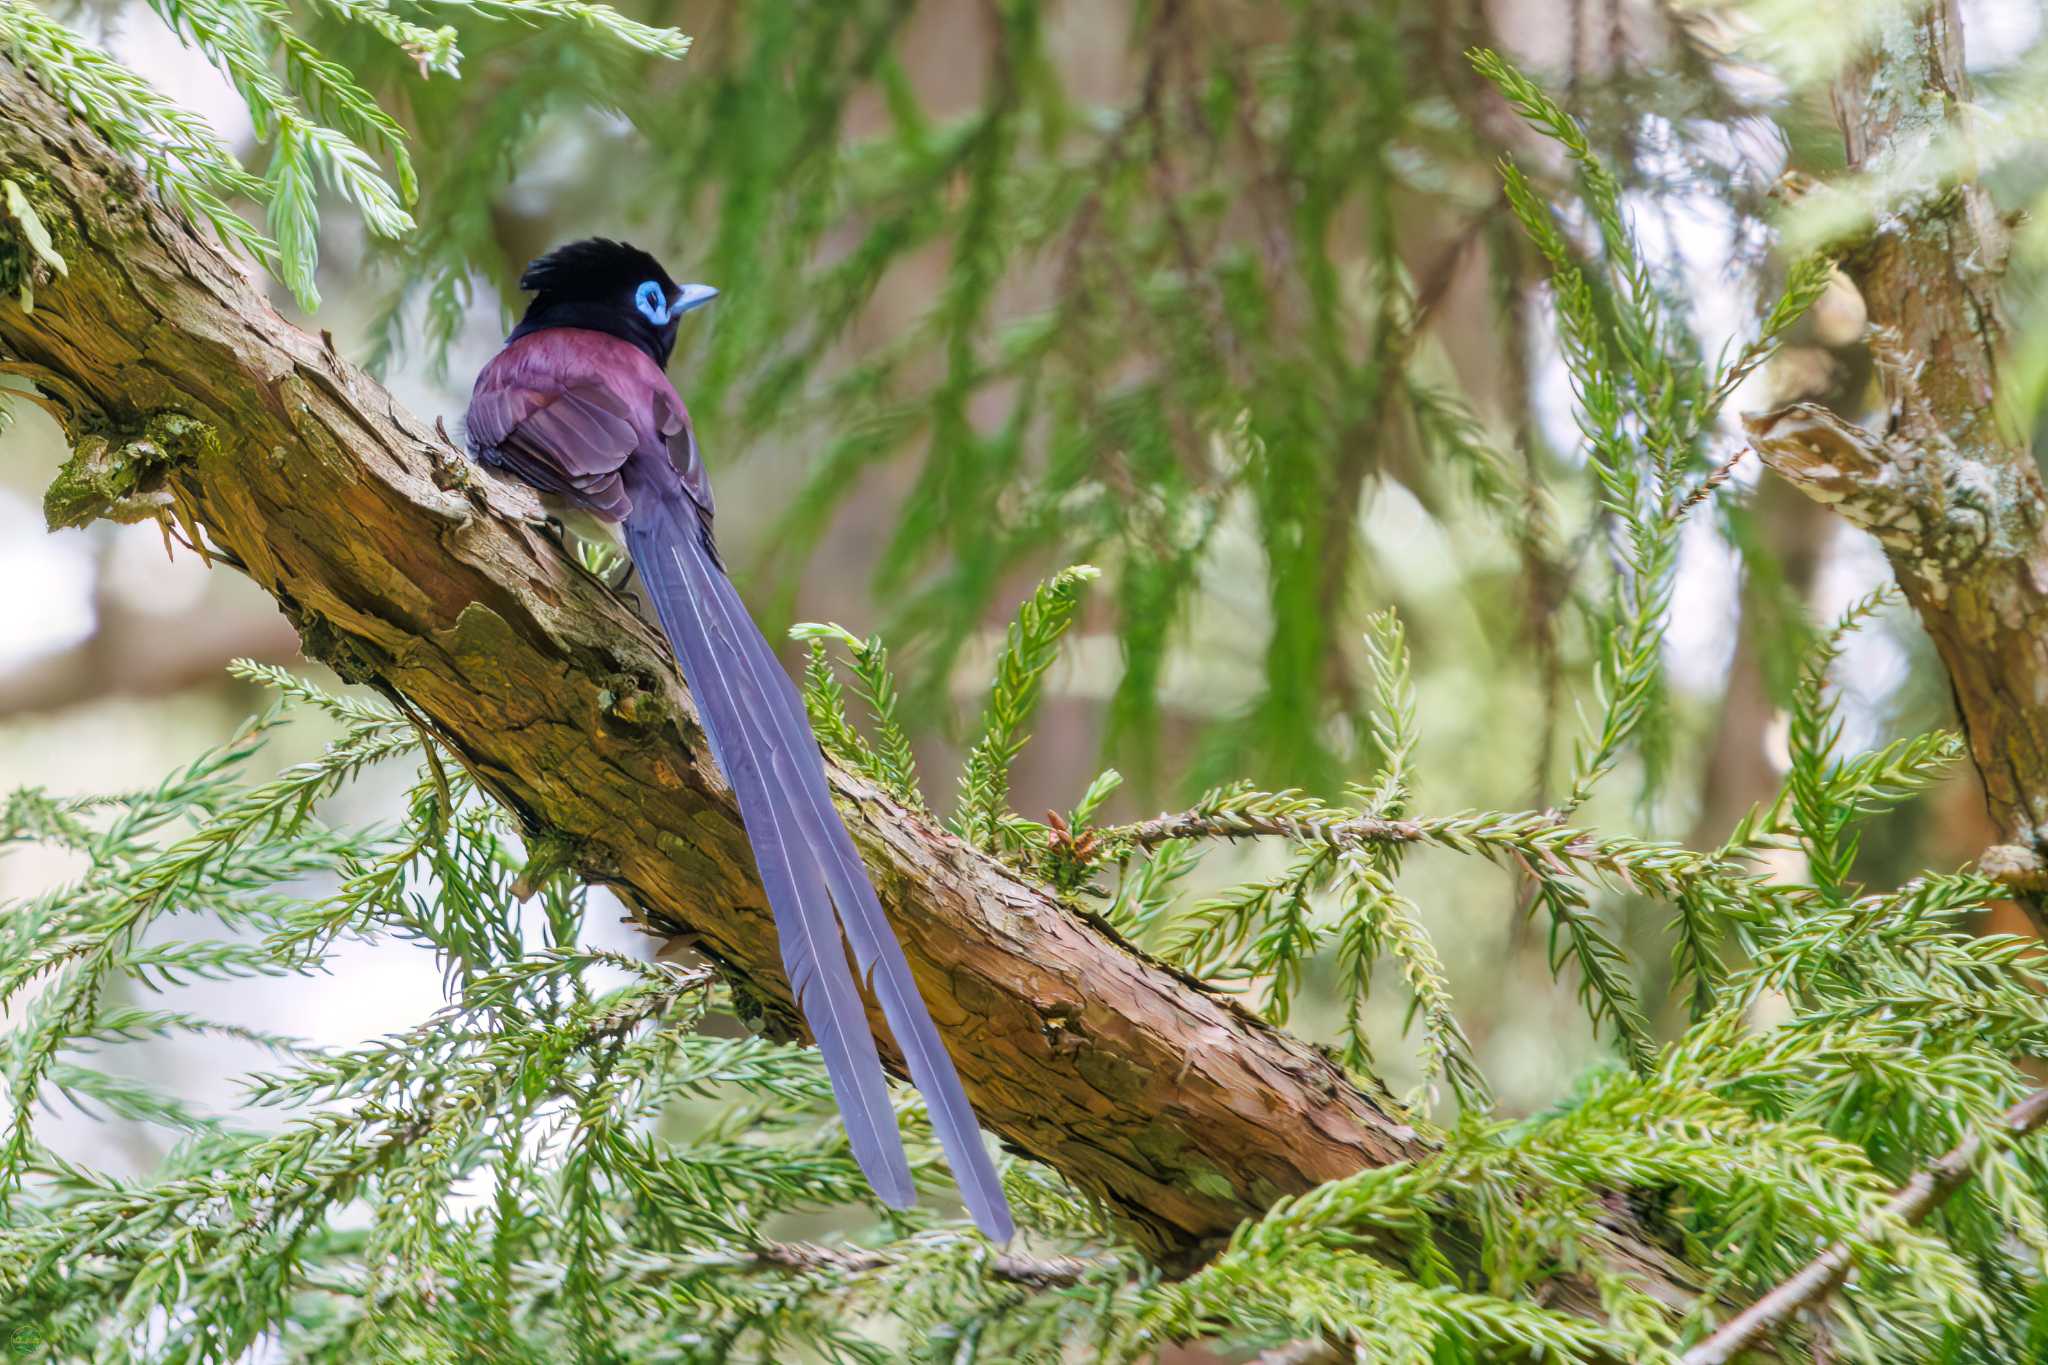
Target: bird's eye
{"x":652,"y":301}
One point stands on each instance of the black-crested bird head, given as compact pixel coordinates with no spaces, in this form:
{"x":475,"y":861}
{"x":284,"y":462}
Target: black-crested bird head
{"x":605,"y":286}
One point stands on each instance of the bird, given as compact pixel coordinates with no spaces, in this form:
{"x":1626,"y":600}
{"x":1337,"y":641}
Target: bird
{"x":578,"y":404}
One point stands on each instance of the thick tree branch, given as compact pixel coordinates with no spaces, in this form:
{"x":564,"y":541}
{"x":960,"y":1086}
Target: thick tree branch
{"x":403,"y":567}
{"x":1948,"y":489}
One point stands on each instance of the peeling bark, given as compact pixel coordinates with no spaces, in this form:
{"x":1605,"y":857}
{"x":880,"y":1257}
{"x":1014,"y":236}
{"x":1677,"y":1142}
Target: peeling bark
{"x":1950,"y":491}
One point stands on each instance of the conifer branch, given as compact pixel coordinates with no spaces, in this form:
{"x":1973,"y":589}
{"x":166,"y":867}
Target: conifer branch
{"x":1033,"y":1272}
{"x":1918,"y":1198}
{"x":404,"y":567}
{"x":1029,"y":650}
{"x":1533,"y":838}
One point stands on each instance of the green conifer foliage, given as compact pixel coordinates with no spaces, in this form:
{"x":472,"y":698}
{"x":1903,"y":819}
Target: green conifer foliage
{"x":582,"y":1154}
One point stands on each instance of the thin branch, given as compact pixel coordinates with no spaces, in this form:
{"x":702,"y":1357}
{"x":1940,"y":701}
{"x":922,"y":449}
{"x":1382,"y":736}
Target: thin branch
{"x":1708,"y":486}
{"x":1034,"y":1272}
{"x":1546,"y":844}
{"x":1241,"y":824}
{"x":1921,"y":1195}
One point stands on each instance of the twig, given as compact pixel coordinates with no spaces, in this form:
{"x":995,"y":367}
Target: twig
{"x":1238,"y":824}
{"x":1053,"y":1273}
{"x":446,"y":809}
{"x":1921,"y":1195}
{"x":1707,"y":485}
{"x":1543,"y":843}
{"x":1305,"y":1352}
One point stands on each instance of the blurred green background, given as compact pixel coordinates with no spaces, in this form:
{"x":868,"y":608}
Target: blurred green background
{"x":1222,"y":297}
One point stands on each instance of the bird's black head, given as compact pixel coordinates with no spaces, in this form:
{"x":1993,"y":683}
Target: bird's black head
{"x":606,"y":286}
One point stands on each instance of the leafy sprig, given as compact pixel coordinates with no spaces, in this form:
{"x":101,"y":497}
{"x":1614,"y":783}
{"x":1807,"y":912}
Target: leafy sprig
{"x":324,"y":128}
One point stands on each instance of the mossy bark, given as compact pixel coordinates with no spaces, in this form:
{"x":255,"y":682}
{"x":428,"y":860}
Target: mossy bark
{"x":1949,"y":488}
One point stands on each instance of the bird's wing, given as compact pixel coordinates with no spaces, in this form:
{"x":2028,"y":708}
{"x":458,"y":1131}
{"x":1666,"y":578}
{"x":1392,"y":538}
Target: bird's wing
{"x":571,"y":441}
{"x":681,"y":437}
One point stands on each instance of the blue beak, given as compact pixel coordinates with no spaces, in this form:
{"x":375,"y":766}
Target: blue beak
{"x":691,"y":296}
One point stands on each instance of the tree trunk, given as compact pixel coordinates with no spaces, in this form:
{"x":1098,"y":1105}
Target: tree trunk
{"x":1948,"y":488}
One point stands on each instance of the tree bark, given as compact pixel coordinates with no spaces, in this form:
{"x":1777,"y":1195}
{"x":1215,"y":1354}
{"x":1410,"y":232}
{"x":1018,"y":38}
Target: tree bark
{"x":1949,"y":488}
{"x":404,"y":567}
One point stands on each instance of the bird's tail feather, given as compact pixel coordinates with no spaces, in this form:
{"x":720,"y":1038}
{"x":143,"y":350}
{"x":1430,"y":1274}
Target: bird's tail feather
{"x":763,"y":742}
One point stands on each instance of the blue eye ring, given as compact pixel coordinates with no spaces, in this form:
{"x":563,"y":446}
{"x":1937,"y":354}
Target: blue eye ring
{"x":652,"y":301}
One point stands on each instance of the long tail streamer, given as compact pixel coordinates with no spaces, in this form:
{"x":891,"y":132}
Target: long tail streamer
{"x":817,"y":886}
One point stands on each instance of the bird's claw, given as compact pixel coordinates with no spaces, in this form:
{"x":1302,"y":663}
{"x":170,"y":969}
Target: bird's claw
{"x":618,"y":585}
{"x":554,"y":530}
{"x":557,"y":533}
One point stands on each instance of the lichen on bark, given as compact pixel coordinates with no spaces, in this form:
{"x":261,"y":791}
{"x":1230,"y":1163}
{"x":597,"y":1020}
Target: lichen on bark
{"x":1947,"y":486}
{"x":125,"y":480}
